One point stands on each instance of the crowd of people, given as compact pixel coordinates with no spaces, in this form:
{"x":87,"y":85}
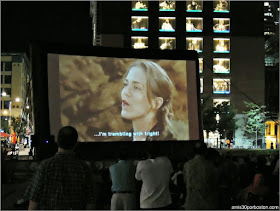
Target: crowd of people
{"x":207,"y":180}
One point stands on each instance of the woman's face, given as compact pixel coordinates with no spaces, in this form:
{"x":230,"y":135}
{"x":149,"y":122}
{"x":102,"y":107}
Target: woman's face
{"x":135,"y":102}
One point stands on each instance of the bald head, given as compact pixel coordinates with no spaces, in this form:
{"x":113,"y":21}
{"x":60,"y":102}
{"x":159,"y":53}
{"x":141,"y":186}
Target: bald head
{"x":67,"y":137}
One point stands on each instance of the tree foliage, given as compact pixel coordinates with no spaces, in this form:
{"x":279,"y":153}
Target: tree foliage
{"x":226,"y":125}
{"x":19,"y":126}
{"x":254,"y":120}
{"x":5,"y":124}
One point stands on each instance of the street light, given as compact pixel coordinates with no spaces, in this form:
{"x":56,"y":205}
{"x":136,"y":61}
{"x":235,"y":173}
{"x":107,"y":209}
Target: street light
{"x":218,"y":120}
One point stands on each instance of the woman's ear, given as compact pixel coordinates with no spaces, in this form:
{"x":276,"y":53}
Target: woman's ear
{"x":157,"y":103}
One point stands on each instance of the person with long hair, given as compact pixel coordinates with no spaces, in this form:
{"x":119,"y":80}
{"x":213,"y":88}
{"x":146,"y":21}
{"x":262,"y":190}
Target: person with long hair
{"x":146,"y":101}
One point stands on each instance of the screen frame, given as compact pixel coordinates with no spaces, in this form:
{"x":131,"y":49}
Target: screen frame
{"x":39,"y":61}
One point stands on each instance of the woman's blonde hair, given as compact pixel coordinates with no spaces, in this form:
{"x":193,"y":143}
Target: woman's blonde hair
{"x":159,"y":85}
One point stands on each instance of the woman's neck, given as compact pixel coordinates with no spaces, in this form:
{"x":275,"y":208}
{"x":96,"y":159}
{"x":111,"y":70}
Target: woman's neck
{"x":143,"y":125}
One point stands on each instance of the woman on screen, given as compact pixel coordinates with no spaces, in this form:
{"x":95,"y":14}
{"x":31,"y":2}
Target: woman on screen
{"x":146,"y":101}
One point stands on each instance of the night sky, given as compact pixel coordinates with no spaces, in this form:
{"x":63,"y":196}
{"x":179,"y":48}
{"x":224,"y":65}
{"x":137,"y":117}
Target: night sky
{"x":60,"y":22}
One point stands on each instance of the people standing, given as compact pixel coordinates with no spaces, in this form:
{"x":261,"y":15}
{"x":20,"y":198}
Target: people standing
{"x":62,"y":182}
{"x":123,"y":184}
{"x":154,"y":173}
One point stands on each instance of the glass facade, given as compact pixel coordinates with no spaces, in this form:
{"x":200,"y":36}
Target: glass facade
{"x":167,"y":43}
{"x":194,"y":6}
{"x":221,"y":86}
{"x":221,"y":6}
{"x":200,"y":60}
{"x":167,"y":5}
{"x":139,"y":42}
{"x":221,"y":25}
{"x":139,"y":23}
{"x":221,"y":45}
{"x":139,"y":5}
{"x":194,"y":43}
{"x":221,"y":65}
{"x":167,"y":24}
{"x":194,"y":24}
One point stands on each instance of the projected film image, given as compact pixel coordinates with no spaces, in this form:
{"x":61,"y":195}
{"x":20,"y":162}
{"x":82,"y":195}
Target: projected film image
{"x":113,"y":99}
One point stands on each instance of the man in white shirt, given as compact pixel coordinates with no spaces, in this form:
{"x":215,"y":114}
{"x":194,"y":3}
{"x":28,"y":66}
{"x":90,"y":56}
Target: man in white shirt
{"x":155,"y":174}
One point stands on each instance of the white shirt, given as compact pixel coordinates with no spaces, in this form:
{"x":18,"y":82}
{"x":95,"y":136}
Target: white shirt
{"x":155,"y":174}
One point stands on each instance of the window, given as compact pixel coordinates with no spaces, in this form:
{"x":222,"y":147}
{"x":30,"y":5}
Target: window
{"x":139,"y":5}
{"x":221,"y":65}
{"x":200,"y":60}
{"x":221,"y":6}
{"x":167,"y":43}
{"x":7,"y":91}
{"x":201,"y":85}
{"x":8,"y":66}
{"x":194,"y":24}
{"x":167,"y":24}
{"x":220,"y":101}
{"x":194,"y":6}
{"x":167,"y":5}
{"x":139,"y":23}
{"x":266,"y":3}
{"x":139,"y":42}
{"x":2,"y":66}
{"x":221,"y":45}
{"x":8,"y":79}
{"x":2,"y":79}
{"x":194,"y":43}
{"x":221,"y":25}
{"x":6,"y":104}
{"x":221,"y":86}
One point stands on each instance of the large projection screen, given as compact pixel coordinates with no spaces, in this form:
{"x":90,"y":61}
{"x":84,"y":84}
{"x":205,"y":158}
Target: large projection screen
{"x":86,"y":93}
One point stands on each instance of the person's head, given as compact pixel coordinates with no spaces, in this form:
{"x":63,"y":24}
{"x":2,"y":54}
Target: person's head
{"x":258,"y":179}
{"x":200,"y":148}
{"x":147,"y":91}
{"x":67,"y":137}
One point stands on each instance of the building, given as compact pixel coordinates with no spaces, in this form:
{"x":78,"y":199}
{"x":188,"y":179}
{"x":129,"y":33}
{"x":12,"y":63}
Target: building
{"x":228,"y":35}
{"x":16,"y":88}
{"x":271,"y":32}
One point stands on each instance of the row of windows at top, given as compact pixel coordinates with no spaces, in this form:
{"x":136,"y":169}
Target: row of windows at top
{"x":191,"y":6}
{"x":220,"y":45}
{"x":167,"y":24}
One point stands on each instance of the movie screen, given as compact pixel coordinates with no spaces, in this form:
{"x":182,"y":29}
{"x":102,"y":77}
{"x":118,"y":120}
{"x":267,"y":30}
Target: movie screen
{"x":123,"y":99}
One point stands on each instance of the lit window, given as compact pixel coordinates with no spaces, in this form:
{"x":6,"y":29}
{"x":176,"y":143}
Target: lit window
{"x":139,"y":42}
{"x":167,"y":43}
{"x":194,"y":6}
{"x":8,"y":92}
{"x":221,"y":86}
{"x":268,"y":14}
{"x":220,"y":101}
{"x":194,"y":43}
{"x":221,"y":45}
{"x":266,"y":4}
{"x":140,"y":5}
{"x":167,"y":24}
{"x":221,"y":25}
{"x":221,"y":6}
{"x":200,"y":60}
{"x":221,"y":65}
{"x":201,"y":85}
{"x":194,"y":24}
{"x":167,"y":5}
{"x":139,"y":23}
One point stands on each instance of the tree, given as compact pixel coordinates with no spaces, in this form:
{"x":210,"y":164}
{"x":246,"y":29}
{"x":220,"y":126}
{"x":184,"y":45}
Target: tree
{"x":254,"y":120}
{"x":5,"y":124}
{"x":226,"y":125}
{"x":19,"y":126}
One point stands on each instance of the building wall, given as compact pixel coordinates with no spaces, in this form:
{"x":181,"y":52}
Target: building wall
{"x":19,"y":74}
{"x":246,"y":42}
